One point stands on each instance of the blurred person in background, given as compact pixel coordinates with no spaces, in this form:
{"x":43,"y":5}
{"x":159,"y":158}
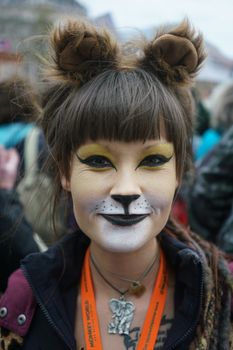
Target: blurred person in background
{"x":220,"y":105}
{"x":20,"y":109}
{"x":210,"y":197}
{"x":201,"y":125}
{"x":16,"y":235}
{"x":202,"y":119}
{"x":208,"y":132}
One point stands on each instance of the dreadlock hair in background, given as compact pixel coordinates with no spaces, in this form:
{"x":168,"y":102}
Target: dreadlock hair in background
{"x":213,"y":329}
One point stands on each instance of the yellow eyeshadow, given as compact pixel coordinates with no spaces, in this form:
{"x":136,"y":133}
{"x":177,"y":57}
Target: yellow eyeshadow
{"x":99,"y":169}
{"x":154,"y":168}
{"x":164,"y":149}
{"x":94,"y":149}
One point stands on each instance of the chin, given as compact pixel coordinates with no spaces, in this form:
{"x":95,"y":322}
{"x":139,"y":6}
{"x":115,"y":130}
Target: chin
{"x":124,"y":241}
{"x":119,"y":248}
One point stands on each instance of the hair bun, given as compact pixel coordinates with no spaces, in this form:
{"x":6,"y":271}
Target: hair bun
{"x":80,"y":51}
{"x":175,"y":56}
{"x":183,"y":51}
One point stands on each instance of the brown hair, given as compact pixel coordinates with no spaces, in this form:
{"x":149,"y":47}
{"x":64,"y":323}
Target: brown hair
{"x":18,"y":101}
{"x":96,"y":91}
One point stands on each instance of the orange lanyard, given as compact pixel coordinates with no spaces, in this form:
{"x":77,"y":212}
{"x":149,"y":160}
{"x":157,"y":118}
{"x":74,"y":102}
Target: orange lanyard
{"x":153,"y":318}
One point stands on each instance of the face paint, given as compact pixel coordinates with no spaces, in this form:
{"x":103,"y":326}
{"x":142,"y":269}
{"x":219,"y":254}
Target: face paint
{"x":124,"y":215}
{"x":165,"y":149}
{"x":90,"y":149}
{"x":156,"y":156}
{"x":111,"y":207}
{"x":104,"y":219}
{"x":96,"y":157}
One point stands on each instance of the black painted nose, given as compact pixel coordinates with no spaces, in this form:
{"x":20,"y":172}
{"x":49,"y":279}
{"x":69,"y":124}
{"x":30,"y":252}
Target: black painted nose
{"x":125,"y":200}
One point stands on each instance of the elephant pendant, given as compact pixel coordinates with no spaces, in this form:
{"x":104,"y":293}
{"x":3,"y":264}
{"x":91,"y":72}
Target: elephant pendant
{"x":123,"y":313}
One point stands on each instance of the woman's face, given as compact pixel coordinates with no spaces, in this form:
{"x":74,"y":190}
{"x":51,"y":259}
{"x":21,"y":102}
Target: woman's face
{"x":122,"y":192}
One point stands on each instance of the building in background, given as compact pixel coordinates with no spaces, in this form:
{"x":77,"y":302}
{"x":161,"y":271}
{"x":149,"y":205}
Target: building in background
{"x":22,"y":24}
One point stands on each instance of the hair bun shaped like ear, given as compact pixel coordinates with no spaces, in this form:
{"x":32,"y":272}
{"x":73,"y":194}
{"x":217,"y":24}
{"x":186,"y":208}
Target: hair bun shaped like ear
{"x":183,"y":51}
{"x":175,"y":56}
{"x":80,"y":51}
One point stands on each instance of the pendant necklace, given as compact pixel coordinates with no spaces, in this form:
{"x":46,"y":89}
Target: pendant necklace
{"x":122,"y":309}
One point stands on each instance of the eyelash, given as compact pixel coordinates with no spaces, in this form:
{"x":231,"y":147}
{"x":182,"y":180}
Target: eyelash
{"x":91,"y":161}
{"x":154,"y":160}
{"x":101,"y":162}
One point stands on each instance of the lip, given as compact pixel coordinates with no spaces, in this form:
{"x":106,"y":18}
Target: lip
{"x":124,"y":220}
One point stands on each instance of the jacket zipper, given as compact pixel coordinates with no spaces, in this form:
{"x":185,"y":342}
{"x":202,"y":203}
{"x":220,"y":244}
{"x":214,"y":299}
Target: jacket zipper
{"x":191,"y":328}
{"x":44,"y":310}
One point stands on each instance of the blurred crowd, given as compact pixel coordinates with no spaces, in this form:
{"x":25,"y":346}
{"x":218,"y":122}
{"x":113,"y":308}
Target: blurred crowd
{"x":27,"y":223}
{"x":205,"y":200}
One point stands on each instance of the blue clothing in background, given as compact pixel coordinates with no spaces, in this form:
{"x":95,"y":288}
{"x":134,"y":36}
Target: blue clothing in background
{"x":14,"y":133}
{"x":209,"y":139}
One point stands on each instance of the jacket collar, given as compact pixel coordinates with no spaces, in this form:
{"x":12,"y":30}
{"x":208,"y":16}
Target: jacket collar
{"x":60,"y":265}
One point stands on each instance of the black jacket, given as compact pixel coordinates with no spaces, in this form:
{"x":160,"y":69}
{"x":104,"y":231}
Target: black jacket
{"x":54,"y":277}
{"x":16,"y":235}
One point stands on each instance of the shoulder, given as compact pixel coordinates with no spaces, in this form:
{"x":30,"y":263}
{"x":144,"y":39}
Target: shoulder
{"x":17,"y":305}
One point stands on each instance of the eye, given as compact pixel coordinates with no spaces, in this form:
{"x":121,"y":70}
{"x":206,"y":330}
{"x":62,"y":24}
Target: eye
{"x":154,"y":160}
{"x":96,"y":161}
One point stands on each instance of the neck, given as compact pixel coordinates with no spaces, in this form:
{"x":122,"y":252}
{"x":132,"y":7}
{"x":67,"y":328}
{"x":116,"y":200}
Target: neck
{"x":128,"y":264}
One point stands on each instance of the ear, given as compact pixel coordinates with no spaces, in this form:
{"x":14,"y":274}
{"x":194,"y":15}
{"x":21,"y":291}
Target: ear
{"x":175,"y":56}
{"x":80,"y":51}
{"x":65,"y":183}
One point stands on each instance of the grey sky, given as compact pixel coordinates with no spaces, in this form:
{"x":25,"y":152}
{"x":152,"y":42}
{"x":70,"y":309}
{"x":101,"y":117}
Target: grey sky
{"x":213,"y":17}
